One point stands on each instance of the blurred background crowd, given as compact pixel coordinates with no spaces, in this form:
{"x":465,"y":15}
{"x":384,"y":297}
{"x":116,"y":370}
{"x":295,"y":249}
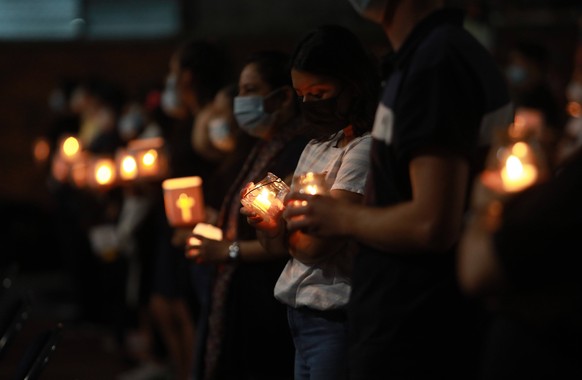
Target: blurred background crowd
{"x":112,"y":72}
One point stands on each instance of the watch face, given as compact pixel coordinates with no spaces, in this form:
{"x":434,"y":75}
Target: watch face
{"x":233,"y":251}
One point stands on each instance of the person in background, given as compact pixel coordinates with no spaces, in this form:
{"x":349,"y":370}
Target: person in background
{"x":523,"y":264}
{"x":571,"y":140}
{"x":408,"y":318}
{"x":537,"y":109}
{"x":247,"y":335}
{"x":337,"y":83}
{"x":198,"y":69}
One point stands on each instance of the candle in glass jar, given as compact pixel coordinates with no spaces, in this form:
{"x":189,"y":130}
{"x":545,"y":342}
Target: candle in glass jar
{"x":103,"y":172}
{"x":516,"y":175}
{"x":266,"y":197}
{"x":310,"y":183}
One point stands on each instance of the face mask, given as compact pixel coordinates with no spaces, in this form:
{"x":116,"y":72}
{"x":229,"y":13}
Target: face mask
{"x":131,"y":124}
{"x":373,"y":10}
{"x":250,"y":114}
{"x":171,"y":101}
{"x":516,"y":75}
{"x":219,"y":132}
{"x":323,"y":117}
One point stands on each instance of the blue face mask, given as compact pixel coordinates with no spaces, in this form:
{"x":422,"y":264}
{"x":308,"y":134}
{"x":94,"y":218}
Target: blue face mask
{"x":171,"y":101}
{"x":373,"y":10}
{"x":131,"y":124}
{"x":250,"y":114}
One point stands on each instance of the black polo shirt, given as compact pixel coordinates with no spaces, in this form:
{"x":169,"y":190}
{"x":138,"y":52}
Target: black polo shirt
{"x":408,"y":319}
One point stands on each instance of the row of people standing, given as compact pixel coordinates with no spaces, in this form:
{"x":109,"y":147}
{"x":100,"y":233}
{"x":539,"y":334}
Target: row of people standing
{"x":357,"y":285}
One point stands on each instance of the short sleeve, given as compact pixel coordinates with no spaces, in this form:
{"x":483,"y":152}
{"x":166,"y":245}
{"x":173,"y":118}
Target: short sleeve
{"x":355,"y":165}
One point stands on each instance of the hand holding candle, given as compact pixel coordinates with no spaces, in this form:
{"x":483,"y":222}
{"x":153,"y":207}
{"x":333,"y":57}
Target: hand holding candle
{"x":202,"y":230}
{"x":266,"y":198}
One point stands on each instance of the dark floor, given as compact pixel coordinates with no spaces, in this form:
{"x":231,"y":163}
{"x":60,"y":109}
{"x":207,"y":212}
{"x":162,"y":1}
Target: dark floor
{"x":84,"y":351}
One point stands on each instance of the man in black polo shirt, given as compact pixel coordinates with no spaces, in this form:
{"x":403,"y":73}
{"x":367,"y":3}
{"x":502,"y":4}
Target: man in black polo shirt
{"x":408,"y":318}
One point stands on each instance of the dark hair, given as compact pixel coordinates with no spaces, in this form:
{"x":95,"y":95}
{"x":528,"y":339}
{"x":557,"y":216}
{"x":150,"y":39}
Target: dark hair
{"x":335,"y":51}
{"x":272,"y":66}
{"x":209,"y":65}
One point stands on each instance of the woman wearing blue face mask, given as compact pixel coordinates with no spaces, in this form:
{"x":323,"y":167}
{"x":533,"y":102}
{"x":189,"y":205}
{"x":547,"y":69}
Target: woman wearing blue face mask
{"x":247,"y":335}
{"x":336,"y":82}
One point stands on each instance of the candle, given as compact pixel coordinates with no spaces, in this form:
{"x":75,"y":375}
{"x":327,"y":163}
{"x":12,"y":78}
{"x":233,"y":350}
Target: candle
{"x":184,"y":201}
{"x":517,"y":176}
{"x":310,"y":183}
{"x":41,"y":150}
{"x":103,"y":172}
{"x":266,"y":197}
{"x":126,"y":165}
{"x":149,"y":156}
{"x":205,"y":230}
{"x":70,"y":148}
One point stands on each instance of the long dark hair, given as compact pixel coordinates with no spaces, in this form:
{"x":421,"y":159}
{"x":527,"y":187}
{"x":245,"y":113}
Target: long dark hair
{"x":334,"y":51}
{"x":210,"y":66}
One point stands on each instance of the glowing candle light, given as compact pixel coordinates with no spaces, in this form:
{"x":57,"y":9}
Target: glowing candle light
{"x":70,"y":147}
{"x":41,"y":150}
{"x":262,"y":201}
{"x":266,"y":197}
{"x":183,"y":200}
{"x":185,"y":204}
{"x":205,"y":230}
{"x":150,"y":158}
{"x":517,"y":176}
{"x":310,"y":183}
{"x":104,"y":172}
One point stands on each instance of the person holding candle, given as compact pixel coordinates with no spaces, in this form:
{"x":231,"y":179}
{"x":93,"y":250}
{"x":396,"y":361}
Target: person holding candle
{"x":522,"y":261}
{"x":337,"y":83}
{"x":408,"y":318}
{"x":247,"y":335}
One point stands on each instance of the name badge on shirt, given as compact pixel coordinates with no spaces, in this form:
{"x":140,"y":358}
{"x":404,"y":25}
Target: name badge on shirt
{"x":383,"y":124}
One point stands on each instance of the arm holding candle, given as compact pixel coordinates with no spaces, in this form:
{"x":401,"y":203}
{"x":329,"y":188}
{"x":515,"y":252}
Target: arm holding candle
{"x":430,"y":221}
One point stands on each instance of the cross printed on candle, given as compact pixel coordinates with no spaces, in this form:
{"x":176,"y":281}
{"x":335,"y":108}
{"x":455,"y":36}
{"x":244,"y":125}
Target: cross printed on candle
{"x":185,"y":204}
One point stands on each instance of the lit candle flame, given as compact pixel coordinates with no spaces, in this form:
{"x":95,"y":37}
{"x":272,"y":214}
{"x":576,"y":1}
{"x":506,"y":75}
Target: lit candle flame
{"x":149,"y":158}
{"x":104,"y":174}
{"x":262,"y":201}
{"x":517,"y":176}
{"x":71,"y":146}
{"x":128,"y":167}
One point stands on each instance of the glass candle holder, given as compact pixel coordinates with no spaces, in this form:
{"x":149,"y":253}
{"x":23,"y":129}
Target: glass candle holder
{"x":150,"y":157}
{"x":102,"y":172}
{"x":514,"y":164}
{"x":126,"y":165}
{"x":184,"y":201}
{"x":266,"y":197}
{"x":310,"y":183}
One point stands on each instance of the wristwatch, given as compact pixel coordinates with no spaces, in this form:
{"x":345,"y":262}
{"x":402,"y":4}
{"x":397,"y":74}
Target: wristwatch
{"x":234,"y":251}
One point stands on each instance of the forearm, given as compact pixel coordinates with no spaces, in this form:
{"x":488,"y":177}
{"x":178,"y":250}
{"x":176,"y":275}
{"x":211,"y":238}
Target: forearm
{"x":253,"y":251}
{"x":401,"y":228}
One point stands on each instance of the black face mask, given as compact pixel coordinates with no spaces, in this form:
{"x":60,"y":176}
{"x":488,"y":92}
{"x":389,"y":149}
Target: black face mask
{"x":323,"y":118}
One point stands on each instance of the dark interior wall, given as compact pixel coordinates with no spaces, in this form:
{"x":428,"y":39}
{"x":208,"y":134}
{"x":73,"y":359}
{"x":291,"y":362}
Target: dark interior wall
{"x":28,"y":71}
